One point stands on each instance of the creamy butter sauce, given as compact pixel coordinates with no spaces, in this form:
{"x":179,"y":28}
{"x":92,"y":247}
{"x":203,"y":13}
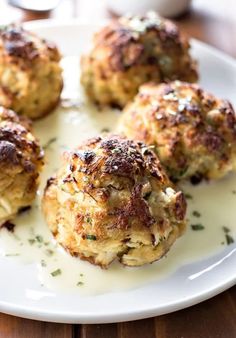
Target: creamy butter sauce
{"x":210,"y":208}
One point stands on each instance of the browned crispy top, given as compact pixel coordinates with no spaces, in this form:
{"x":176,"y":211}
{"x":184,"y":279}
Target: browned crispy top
{"x":139,"y":40}
{"x":184,"y":104}
{"x":17,"y":145}
{"x":21,"y":44}
{"x":118,"y":173}
{"x":118,"y":156}
{"x":191,"y":129}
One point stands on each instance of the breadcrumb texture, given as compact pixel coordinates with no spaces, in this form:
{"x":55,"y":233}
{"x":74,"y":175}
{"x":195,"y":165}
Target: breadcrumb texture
{"x":192,"y":131}
{"x":21,"y":159}
{"x":131,"y":51}
{"x":30,"y":74}
{"x":111,"y":199}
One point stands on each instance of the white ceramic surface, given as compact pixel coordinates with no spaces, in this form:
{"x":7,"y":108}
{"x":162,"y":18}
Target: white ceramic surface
{"x":166,"y":8}
{"x":189,"y":283}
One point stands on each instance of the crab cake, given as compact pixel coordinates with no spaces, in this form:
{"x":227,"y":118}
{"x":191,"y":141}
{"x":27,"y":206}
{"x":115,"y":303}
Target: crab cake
{"x":30,"y":74}
{"x":192,"y":131}
{"x":20,"y":163}
{"x":111,"y":199}
{"x":131,"y":51}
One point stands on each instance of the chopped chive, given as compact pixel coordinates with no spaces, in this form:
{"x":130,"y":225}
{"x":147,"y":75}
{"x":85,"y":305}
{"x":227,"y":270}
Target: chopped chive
{"x":81,"y":274}
{"x":197,"y":226}
{"x":49,"y":252}
{"x":234,"y":192}
{"x":56,"y":273}
{"x":49,"y":143}
{"x":105,"y":130}
{"x":16,"y":237}
{"x":31,"y":241}
{"x":229,"y":239}
{"x":91,"y":237}
{"x":39,"y":238}
{"x":43,"y":263}
{"x":188,"y":196}
{"x":80,"y":284}
{"x":115,"y":150}
{"x":196,"y":213}
{"x":226,"y":230}
{"x":89,"y":220}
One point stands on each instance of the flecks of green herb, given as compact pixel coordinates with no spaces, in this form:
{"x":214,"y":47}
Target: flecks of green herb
{"x":43,"y":263}
{"x":56,"y":273}
{"x":81,"y":275}
{"x":115,"y":150}
{"x":16,"y":237}
{"x":31,"y":241}
{"x":80,"y":284}
{"x":226,"y":229}
{"x":105,"y":130}
{"x":196,"y":213}
{"x":39,"y":238}
{"x":46,"y":243}
{"x":234,"y":192}
{"x":49,"y":252}
{"x":91,"y":237}
{"x":198,"y":226}
{"x":229,"y":239}
{"x":188,"y":196}
{"x":147,"y":195}
{"x":89,"y":220}
{"x":49,"y":143}
{"x":12,"y":255}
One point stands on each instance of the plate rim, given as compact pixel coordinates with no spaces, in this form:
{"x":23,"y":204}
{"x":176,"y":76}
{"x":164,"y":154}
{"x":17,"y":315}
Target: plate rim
{"x":83,"y":318}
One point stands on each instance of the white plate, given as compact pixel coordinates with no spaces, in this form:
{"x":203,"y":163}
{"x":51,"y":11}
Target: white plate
{"x":197,"y":267}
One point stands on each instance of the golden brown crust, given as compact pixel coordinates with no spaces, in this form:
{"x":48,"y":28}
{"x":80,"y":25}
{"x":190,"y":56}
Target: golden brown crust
{"x":24,"y":46}
{"x":131,"y":51}
{"x":194,"y":132}
{"x":112,"y":195}
{"x":21,"y":159}
{"x":30,"y":74}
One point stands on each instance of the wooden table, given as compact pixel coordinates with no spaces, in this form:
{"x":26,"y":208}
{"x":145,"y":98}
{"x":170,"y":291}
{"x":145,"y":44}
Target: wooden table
{"x":215,"y":23}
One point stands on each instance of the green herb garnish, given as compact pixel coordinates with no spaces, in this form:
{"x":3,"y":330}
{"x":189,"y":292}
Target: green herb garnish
{"x":105,"y":130}
{"x":198,"y":226}
{"x":49,"y":143}
{"x":49,"y":252}
{"x":80,"y":284}
{"x":188,"y":196}
{"x":229,"y":239}
{"x":196,"y":213}
{"x":56,"y":273}
{"x":89,"y":220}
{"x":31,"y":241}
{"x":91,"y":237}
{"x":226,"y":230}
{"x":115,"y":150}
{"x":43,"y":263}
{"x":39,"y":238}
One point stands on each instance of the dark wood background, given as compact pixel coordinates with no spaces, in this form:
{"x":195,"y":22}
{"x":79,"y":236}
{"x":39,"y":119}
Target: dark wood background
{"x":212,"y":21}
